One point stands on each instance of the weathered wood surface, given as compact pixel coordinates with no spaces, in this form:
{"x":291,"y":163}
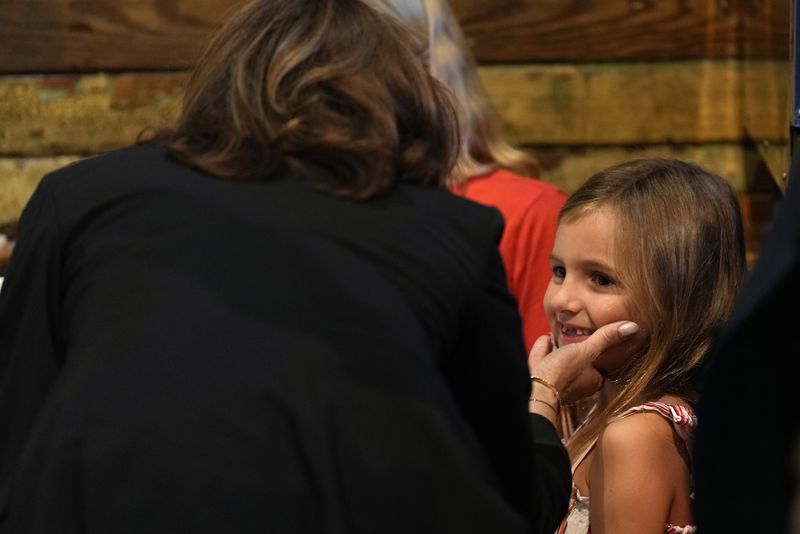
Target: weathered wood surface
{"x":607,"y":104}
{"x":92,"y":35}
{"x":19,"y":177}
{"x":579,"y":30}
{"x":758,"y":211}
{"x":72,"y":114}
{"x":569,"y":167}
{"x":124,"y":35}
{"x":683,"y":102}
{"x":765,"y":28}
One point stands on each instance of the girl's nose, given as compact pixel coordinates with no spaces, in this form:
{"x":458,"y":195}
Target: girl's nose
{"x":565,"y":297}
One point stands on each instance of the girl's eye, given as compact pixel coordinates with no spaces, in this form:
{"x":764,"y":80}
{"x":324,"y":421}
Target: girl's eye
{"x":559,"y":272}
{"x":602,"y":280}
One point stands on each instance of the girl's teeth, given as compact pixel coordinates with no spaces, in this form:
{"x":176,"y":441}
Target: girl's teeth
{"x":575,"y":331}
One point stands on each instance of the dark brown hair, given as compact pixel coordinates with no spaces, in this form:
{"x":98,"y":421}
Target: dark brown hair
{"x":330,"y":82}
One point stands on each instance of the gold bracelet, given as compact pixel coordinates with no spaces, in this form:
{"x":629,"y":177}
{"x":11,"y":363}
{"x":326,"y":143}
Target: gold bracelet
{"x":549,"y":385}
{"x":555,"y":410}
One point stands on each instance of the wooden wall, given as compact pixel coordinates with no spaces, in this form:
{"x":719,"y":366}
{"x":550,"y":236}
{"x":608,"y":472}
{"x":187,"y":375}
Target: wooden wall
{"x":582,"y":83}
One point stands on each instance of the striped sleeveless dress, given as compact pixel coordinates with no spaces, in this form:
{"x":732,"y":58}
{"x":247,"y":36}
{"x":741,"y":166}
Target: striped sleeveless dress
{"x":684,"y":422}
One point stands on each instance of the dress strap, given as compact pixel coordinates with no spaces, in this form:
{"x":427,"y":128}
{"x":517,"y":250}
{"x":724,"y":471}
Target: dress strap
{"x":682,"y":419}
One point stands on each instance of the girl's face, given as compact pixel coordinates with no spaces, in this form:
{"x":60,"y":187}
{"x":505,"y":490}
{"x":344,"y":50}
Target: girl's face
{"x":585,"y":291}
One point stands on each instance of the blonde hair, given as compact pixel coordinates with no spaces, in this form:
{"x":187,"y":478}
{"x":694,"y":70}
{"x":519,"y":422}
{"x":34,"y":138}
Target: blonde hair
{"x":680,"y":247}
{"x":483,"y":146}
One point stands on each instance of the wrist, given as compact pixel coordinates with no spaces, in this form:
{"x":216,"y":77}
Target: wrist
{"x":543,"y":388}
{"x":544,"y":398}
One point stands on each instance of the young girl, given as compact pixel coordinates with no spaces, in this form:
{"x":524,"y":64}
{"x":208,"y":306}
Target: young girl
{"x":658,"y":242}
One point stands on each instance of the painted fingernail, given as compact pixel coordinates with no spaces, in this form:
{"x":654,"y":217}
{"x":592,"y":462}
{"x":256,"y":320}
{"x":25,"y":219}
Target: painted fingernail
{"x":628,"y":328}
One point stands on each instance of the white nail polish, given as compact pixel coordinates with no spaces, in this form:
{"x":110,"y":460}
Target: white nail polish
{"x":628,"y":328}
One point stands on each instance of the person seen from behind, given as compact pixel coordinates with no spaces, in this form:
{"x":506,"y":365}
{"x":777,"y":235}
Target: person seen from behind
{"x":273,"y":317}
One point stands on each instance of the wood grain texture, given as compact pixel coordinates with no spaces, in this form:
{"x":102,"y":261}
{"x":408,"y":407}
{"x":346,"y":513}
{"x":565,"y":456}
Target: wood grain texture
{"x":765,"y":28}
{"x":604,"y":104}
{"x":586,"y":30}
{"x":124,"y":35}
{"x":112,"y":35}
{"x":83,"y":114}
{"x":18,"y":179}
{"x":629,"y":103}
{"x":569,"y":167}
{"x":596,"y":30}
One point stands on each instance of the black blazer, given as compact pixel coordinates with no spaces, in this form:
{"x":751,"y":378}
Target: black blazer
{"x":186,"y":354}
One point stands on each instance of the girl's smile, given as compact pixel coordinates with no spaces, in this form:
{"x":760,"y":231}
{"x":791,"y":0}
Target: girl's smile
{"x":586,"y":290}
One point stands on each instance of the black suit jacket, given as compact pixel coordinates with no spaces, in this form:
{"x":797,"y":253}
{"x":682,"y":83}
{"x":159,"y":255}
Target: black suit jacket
{"x":180,"y":353}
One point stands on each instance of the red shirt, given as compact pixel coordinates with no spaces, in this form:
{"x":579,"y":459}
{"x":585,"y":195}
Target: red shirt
{"x":530,"y":208}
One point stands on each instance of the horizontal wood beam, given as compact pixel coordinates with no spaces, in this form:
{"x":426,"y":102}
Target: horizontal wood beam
{"x":83,"y":114}
{"x":747,"y":168}
{"x":564,"y":30}
{"x":628,"y":103}
{"x":95,"y":35}
{"x":600,"y":104}
{"x":145,"y":35}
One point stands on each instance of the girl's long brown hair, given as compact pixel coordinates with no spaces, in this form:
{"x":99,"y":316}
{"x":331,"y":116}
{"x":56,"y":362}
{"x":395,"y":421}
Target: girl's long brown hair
{"x":330,"y":82}
{"x":681,"y":250}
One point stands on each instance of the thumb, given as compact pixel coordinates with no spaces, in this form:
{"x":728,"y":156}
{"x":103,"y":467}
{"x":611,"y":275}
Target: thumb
{"x":607,"y":336}
{"x":541,"y":348}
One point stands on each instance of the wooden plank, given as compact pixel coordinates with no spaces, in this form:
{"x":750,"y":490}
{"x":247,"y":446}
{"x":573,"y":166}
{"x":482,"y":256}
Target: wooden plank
{"x":579,"y":30}
{"x":765,"y":101}
{"x":123,"y":35}
{"x":758,"y":211}
{"x":628,"y":103}
{"x":576,"y":30}
{"x":18,"y":179}
{"x":93,"y":35}
{"x":766,"y":29}
{"x":569,"y":167}
{"x":602,"y":104}
{"x":51,"y":115}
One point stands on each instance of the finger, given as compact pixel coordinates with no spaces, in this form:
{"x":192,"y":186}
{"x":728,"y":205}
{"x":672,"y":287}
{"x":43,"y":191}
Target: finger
{"x":541,"y":348}
{"x":607,"y":336}
{"x":588,"y":383}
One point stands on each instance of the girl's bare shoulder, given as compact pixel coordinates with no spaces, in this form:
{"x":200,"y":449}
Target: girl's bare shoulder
{"x":644,"y":439}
